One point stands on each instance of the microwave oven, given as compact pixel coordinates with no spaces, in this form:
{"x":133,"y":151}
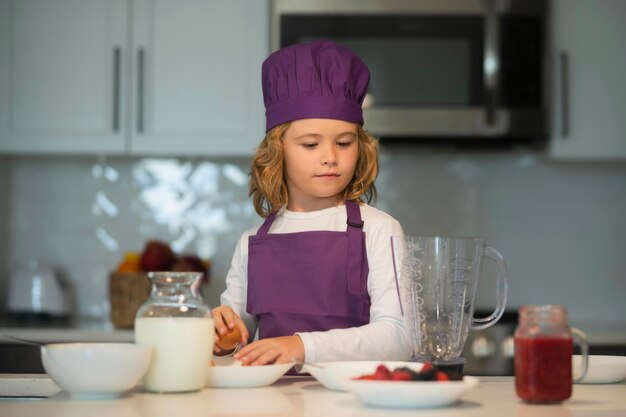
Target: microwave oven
{"x":461,"y":70}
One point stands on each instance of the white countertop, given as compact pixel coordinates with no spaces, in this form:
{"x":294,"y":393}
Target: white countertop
{"x":67,"y":335}
{"x":304,"y":396}
{"x":79,"y":331}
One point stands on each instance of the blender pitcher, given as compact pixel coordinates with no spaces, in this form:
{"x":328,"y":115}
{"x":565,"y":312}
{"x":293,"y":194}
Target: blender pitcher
{"x":437,"y":278}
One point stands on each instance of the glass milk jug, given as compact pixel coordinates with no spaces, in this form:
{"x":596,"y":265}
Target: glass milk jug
{"x":543,"y":354}
{"x":177,"y":324}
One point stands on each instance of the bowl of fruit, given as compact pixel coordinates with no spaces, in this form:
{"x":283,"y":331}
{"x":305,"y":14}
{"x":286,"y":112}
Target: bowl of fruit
{"x":129,"y":285}
{"x":403,"y":387}
{"x":335,"y":375}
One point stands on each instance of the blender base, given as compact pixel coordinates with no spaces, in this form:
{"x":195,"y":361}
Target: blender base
{"x":453,"y":368}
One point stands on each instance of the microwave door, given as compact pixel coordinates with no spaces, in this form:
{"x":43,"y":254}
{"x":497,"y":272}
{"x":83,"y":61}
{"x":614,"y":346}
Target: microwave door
{"x":427,"y":71}
{"x":446,"y":86}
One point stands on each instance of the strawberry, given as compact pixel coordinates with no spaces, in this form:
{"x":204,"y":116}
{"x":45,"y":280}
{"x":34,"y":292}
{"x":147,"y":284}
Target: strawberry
{"x":382,"y":373}
{"x":426,"y":368}
{"x":400,"y":375}
{"x":442,"y":376}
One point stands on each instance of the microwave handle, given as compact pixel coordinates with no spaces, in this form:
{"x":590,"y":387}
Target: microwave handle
{"x":491,"y":60}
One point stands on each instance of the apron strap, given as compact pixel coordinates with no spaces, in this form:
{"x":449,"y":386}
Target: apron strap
{"x":355,"y":247}
{"x":354,"y":214}
{"x":265,"y":227}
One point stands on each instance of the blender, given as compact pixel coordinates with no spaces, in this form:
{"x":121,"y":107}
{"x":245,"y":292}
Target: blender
{"x":437,"y":279}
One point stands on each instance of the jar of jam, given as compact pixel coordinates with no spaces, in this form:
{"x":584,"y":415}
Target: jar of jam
{"x":543,"y":354}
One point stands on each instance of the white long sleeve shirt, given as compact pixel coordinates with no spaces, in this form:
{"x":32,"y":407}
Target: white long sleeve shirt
{"x":384,"y":337}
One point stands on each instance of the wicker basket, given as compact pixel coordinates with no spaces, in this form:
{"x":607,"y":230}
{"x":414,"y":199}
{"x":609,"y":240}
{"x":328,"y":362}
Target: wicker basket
{"x":127,"y":292}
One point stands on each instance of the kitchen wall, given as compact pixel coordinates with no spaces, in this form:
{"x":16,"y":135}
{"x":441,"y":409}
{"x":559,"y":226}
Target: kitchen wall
{"x":80,"y":215}
{"x":559,"y":225}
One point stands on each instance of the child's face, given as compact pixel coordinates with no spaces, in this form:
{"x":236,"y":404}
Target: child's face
{"x":320,"y":159}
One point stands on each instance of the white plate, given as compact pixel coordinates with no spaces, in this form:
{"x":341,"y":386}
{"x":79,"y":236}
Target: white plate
{"x":410,"y":394}
{"x":245,"y":376}
{"x":333,"y":375}
{"x":602,"y":369}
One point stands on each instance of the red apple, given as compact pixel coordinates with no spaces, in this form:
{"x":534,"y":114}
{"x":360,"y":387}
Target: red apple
{"x":157,"y":256}
{"x":191,"y":263}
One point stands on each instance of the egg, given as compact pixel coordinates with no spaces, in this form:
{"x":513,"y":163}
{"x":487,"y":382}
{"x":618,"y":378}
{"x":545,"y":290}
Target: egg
{"x":229,"y":340}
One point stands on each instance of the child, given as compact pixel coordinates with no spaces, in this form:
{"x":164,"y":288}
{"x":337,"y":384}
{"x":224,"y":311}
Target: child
{"x":316,"y":279}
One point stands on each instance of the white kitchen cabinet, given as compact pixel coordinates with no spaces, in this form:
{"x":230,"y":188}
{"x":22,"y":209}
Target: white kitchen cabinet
{"x":140,"y":77}
{"x":201,"y":75}
{"x":58,"y":91}
{"x":589,"y":88}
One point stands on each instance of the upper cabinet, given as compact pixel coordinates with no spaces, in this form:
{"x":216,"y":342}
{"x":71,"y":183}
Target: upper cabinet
{"x":197,"y":75}
{"x":589,"y":92}
{"x":140,"y":77}
{"x":61,"y":80}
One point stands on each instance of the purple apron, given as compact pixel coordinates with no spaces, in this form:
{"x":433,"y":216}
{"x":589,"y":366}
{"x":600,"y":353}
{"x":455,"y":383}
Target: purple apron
{"x":308,"y":281}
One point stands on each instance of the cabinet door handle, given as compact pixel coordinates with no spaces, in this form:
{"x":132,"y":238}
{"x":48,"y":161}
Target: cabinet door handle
{"x":141,"y":57}
{"x":564,"y":65}
{"x":117,"y":56}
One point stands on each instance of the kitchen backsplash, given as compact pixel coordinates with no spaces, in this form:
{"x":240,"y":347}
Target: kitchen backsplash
{"x":560,"y":226}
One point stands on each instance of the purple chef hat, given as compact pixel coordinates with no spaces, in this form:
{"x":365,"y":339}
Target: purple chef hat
{"x":313,"y":80}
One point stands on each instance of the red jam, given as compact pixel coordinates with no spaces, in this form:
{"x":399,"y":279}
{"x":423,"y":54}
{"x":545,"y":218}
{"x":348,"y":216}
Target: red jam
{"x":543,"y":368}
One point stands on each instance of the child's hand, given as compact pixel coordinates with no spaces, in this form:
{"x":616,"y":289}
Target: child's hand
{"x":225,"y":318}
{"x":272,"y":350}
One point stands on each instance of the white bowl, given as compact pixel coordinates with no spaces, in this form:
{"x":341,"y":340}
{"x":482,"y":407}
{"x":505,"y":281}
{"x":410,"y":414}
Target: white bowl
{"x":96,"y":370}
{"x":245,"y":376}
{"x":601,"y":370}
{"x":333,"y":375}
{"x":410,"y":394}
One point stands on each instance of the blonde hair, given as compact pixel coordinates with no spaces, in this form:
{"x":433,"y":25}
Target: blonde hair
{"x":268,"y":188}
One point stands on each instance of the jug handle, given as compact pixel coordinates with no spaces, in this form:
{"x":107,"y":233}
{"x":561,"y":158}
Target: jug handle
{"x":581,"y":337}
{"x":501,"y":292}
